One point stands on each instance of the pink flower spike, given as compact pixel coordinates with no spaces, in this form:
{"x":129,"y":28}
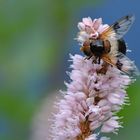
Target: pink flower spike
{"x":83,"y":110}
{"x":97,"y":24}
{"x":111,"y":125}
{"x":87,"y":21}
{"x":92,"y":137}
{"x":102,"y":28}
{"x":81,"y":26}
{"x":90,"y":29}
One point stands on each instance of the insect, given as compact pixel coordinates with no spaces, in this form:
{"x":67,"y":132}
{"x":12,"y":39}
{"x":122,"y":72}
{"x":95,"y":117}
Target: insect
{"x":111,"y":47}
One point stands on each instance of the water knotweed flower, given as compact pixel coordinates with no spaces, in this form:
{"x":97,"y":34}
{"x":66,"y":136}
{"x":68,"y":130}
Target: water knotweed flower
{"x":90,"y":29}
{"x":90,"y":104}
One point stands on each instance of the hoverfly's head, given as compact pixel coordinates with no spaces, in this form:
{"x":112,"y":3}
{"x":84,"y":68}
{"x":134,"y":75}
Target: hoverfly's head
{"x":92,"y":46}
{"x":89,"y":32}
{"x":97,"y":47}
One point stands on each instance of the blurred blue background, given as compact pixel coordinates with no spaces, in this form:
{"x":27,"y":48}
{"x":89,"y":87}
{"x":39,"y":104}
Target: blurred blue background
{"x":36,"y":37}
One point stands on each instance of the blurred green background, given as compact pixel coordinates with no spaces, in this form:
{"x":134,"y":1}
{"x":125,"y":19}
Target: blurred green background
{"x":36,"y":37}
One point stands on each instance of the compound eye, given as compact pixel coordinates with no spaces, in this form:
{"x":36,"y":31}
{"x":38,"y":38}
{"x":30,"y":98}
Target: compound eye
{"x":92,"y":44}
{"x":86,"y":43}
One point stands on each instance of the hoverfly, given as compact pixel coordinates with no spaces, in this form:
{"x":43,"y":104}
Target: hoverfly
{"x":111,"y":47}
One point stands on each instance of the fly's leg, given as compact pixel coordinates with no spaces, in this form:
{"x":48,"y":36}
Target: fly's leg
{"x":88,"y":57}
{"x":104,"y":68}
{"x":95,"y":60}
{"x":99,"y":60}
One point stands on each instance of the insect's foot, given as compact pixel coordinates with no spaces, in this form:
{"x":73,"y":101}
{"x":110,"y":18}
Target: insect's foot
{"x":102,"y":71}
{"x":94,"y":61}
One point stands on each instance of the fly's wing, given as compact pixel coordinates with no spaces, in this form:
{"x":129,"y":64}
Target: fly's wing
{"x":117,"y":30}
{"x":123,"y":63}
{"x":110,"y":59}
{"x":128,"y":66}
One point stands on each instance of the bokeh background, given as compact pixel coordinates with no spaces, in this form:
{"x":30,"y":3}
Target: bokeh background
{"x":36,"y":37}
